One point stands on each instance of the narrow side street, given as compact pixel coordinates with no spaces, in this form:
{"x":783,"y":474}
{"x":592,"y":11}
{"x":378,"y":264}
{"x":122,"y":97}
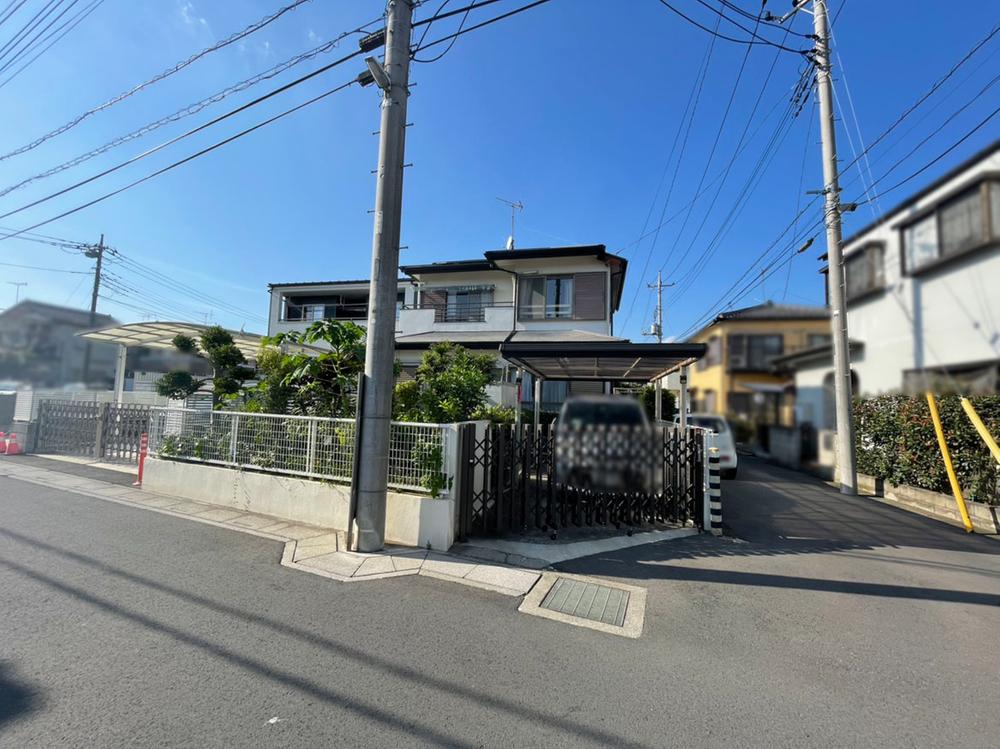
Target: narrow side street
{"x":122,"y":625}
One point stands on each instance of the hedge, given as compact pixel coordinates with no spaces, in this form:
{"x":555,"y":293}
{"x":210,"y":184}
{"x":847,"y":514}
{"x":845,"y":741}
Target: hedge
{"x":896,"y":442}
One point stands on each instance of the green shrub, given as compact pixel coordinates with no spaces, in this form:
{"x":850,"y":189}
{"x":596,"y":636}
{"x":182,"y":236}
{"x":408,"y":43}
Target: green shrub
{"x":896,"y":442}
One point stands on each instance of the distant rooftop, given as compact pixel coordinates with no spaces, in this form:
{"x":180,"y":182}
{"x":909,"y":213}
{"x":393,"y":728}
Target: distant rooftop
{"x":58,"y":312}
{"x":769,"y":311}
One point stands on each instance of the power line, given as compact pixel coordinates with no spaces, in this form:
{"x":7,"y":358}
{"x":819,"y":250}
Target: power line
{"x":59,"y":33}
{"x":49,"y":270}
{"x":477,"y":26}
{"x":155,"y":79}
{"x":192,"y":131}
{"x":758,"y":21}
{"x":748,"y":188}
{"x":21,"y":53}
{"x":450,"y":44}
{"x":32,"y":23}
{"x":697,"y":85}
{"x":10,"y":10}
{"x":185,"y":160}
{"x":194,"y":108}
{"x":748,"y":42}
{"x":774,"y":265}
{"x":128,"y":265}
{"x":711,"y":156}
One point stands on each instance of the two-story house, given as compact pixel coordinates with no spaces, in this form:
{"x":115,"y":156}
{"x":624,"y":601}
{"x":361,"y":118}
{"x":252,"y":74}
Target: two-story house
{"x":736,"y":377}
{"x":523,"y":295}
{"x":923,"y":295}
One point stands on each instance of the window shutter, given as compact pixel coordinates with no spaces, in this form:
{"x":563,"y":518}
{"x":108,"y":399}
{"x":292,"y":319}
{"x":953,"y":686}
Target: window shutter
{"x":437,"y":300}
{"x":589,"y":296}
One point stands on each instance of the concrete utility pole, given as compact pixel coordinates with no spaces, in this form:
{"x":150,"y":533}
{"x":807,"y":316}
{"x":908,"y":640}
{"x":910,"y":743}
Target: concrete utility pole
{"x":98,"y":253}
{"x":658,"y":332}
{"x":17,"y":289}
{"x":376,"y":406}
{"x":838,"y":307}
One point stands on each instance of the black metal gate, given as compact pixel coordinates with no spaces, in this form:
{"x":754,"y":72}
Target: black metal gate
{"x":521,"y":479}
{"x":103,"y":431}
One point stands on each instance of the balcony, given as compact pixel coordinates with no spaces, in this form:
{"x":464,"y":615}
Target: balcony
{"x":299,"y":313}
{"x":459,"y":311}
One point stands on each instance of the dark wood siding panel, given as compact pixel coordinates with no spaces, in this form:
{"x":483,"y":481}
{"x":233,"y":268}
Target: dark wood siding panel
{"x":589,"y":296}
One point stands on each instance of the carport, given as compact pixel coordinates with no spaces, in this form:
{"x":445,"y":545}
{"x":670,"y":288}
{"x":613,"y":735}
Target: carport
{"x":161,"y":334}
{"x":605,"y":361}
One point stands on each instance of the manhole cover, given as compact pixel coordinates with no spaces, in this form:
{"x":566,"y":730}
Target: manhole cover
{"x":610,"y":607}
{"x":596,"y":603}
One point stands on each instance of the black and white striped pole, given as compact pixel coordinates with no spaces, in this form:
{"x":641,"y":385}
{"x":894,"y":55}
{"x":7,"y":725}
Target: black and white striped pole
{"x":713,"y":505}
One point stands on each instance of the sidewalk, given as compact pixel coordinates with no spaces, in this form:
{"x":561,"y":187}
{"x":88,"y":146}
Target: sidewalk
{"x":319,"y":551}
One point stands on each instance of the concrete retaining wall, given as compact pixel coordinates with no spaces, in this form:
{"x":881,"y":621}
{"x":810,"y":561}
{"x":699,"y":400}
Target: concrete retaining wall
{"x":411,"y":519}
{"x":985,"y":518}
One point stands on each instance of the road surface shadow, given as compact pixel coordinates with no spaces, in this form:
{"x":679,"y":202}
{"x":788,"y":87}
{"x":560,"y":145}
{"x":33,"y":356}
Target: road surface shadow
{"x":17,"y":699}
{"x":516,"y":711}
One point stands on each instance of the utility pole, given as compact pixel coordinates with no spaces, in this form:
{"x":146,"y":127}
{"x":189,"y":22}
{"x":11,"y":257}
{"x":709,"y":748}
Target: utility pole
{"x":17,"y":289}
{"x":838,"y":307}
{"x":376,"y":405}
{"x":98,"y":253}
{"x":658,"y":332}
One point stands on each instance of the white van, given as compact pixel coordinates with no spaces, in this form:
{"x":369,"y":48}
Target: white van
{"x":728,"y":459}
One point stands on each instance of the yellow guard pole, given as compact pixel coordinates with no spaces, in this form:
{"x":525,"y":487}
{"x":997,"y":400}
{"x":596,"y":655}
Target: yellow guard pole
{"x":955,"y":488}
{"x":991,"y":443}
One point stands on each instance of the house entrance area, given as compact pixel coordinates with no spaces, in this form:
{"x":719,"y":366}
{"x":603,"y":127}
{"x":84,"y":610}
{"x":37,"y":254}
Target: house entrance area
{"x":526,"y":479}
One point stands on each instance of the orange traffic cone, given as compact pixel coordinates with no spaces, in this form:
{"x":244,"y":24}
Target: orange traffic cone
{"x":12,"y":447}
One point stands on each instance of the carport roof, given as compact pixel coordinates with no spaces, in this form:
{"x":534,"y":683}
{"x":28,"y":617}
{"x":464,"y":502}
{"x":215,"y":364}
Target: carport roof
{"x":601,"y":360}
{"x":160,"y":334}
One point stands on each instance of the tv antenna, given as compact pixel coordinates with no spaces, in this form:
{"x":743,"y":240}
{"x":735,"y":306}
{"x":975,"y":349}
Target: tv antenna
{"x":514,"y":208}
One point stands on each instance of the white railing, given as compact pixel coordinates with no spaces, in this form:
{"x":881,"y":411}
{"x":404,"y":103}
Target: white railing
{"x":420,"y":455}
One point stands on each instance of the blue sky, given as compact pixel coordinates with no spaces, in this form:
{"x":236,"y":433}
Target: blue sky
{"x":570,"y":107}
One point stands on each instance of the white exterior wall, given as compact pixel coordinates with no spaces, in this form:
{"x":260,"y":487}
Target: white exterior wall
{"x":945,"y":316}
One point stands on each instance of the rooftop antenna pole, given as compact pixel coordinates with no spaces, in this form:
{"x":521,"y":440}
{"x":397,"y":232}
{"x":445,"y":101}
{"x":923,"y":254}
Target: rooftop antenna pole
{"x":514,"y":208}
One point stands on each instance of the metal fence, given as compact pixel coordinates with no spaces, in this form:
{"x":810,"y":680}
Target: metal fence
{"x":308,"y":446}
{"x":104,"y":431}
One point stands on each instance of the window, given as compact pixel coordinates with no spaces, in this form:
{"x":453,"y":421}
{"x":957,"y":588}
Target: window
{"x":814,"y":340}
{"x":956,"y":226}
{"x":754,"y":352}
{"x":546,"y":297}
{"x":713,"y":354}
{"x":864,"y":270}
{"x":921,"y":242}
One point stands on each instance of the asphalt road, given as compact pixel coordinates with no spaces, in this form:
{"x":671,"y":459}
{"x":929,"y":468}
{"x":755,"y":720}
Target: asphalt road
{"x":840,"y":623}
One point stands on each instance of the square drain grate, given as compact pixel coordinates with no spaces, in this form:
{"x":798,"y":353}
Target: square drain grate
{"x":586,"y":600}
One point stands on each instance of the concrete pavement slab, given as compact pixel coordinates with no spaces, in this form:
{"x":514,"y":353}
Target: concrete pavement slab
{"x":447,"y":565}
{"x":219,"y":515}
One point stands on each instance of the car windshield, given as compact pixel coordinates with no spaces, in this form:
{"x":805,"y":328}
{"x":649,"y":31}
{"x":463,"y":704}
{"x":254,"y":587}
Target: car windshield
{"x":582,"y":413}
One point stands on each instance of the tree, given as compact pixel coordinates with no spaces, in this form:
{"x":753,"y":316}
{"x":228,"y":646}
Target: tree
{"x":648,"y":398}
{"x":229,"y":370}
{"x":311,"y":384}
{"x":449,"y":385}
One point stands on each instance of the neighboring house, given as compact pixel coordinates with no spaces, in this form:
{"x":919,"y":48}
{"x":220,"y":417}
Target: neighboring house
{"x":39,"y":345}
{"x":542,"y":294}
{"x":736,"y":377}
{"x":923,"y":295}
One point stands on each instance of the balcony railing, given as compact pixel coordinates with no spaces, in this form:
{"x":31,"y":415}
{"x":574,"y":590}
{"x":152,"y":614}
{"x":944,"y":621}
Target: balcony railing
{"x":459,"y":311}
{"x":313,"y":312}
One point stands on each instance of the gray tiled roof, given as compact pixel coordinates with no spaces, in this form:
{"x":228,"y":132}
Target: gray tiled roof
{"x":771,"y":311}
